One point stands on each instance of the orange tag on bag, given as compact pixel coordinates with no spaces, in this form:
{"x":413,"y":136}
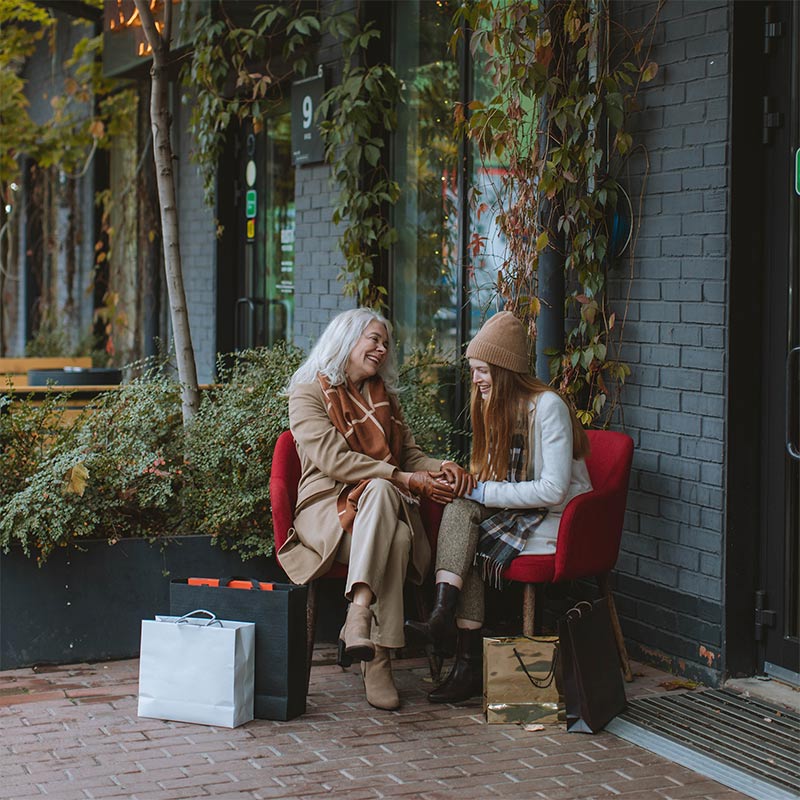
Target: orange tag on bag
{"x":265,"y":587}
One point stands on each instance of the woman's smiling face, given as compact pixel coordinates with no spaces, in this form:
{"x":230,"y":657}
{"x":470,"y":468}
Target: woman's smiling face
{"x":369,"y":353}
{"x":481,"y":377}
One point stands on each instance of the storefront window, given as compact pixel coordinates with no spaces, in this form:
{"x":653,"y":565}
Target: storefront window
{"x":266,"y":216}
{"x":487,"y":250}
{"x":425,"y":271}
{"x":278,"y":219}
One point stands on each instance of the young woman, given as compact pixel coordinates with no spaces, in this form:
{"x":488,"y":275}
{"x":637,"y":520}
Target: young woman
{"x":528,"y":455}
{"x":361,"y":475}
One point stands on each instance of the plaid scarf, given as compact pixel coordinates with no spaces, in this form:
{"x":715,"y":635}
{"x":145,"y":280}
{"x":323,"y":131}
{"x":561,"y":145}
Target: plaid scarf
{"x":504,"y":534}
{"x":370,"y":425}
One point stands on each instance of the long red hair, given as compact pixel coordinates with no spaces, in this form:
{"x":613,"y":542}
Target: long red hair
{"x":495,"y":420}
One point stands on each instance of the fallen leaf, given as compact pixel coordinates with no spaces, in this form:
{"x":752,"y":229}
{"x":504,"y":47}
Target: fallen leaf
{"x":75,"y":479}
{"x":671,"y":686}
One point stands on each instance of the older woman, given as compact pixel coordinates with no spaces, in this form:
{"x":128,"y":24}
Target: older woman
{"x":361,"y":477}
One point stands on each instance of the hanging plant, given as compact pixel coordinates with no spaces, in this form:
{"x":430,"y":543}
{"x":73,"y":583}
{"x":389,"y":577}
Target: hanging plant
{"x":235,"y":75}
{"x":559,"y":99}
{"x":238,"y":73}
{"x":356,"y":117}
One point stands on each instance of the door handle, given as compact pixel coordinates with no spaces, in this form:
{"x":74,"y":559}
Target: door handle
{"x":791,"y":447}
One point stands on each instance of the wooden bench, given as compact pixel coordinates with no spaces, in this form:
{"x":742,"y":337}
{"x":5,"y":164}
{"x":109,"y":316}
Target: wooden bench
{"x":16,"y":369}
{"x":14,"y":380}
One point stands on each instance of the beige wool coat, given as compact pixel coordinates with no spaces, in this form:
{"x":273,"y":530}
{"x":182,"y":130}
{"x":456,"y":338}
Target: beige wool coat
{"x":328,"y":465}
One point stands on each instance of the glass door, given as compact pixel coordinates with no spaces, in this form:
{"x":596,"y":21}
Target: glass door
{"x":264,"y":306}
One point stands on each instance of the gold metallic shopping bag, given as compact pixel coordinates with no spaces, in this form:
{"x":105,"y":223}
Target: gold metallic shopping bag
{"x":521,"y":680}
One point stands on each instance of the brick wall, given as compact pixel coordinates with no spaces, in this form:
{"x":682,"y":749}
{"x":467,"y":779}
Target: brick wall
{"x":669,"y":575}
{"x":318,"y":293}
{"x":198,"y":250}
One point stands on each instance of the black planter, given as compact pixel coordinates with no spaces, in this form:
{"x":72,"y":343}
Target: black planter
{"x":88,"y":604}
{"x":75,"y":376}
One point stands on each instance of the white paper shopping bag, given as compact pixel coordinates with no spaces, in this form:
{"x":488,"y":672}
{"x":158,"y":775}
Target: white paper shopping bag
{"x":197,"y":669}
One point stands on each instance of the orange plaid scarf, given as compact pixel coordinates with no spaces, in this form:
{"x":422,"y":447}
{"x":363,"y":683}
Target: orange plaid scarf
{"x":370,"y":425}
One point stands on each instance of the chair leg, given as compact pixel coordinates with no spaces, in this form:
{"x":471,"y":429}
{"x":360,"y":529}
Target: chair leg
{"x":604,"y":585}
{"x":311,"y":626}
{"x":529,"y":608}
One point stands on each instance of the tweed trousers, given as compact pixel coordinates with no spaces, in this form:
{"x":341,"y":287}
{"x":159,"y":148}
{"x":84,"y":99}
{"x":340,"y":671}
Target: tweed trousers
{"x":455,"y":552}
{"x":377,"y":554}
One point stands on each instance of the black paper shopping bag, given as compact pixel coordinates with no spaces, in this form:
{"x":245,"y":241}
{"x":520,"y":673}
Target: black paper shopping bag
{"x":594,"y":691}
{"x":279,"y":613}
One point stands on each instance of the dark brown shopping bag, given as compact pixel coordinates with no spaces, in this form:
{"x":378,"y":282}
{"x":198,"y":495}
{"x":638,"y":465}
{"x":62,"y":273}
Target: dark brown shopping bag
{"x":594,"y":691}
{"x":520,"y":679}
{"x":279,"y":613}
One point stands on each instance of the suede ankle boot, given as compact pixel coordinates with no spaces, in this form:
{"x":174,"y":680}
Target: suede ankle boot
{"x":378,"y":681}
{"x":440,"y":629}
{"x":466,"y":676}
{"x":355,"y":643}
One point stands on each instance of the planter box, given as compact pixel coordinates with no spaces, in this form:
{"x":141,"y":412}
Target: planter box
{"x":87,"y":605}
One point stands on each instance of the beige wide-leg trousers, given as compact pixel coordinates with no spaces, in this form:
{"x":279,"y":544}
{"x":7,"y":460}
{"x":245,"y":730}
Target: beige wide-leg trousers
{"x":455,"y":552}
{"x":377,"y":554}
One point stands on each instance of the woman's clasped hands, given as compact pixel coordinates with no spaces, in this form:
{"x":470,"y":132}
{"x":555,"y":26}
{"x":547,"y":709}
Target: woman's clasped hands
{"x":449,"y":482}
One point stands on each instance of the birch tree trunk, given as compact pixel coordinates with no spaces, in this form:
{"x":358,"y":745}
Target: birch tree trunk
{"x":162,"y":153}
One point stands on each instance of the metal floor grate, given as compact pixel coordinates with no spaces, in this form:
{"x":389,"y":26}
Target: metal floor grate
{"x":745,"y":743}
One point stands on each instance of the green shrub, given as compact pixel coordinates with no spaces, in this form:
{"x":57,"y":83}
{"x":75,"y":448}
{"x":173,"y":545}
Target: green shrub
{"x":128,"y":467}
{"x":114,"y":472}
{"x":229,"y":450}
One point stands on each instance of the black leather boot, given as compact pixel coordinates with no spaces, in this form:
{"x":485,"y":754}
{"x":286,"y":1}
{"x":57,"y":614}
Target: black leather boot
{"x":440,"y":629}
{"x":466,"y":677}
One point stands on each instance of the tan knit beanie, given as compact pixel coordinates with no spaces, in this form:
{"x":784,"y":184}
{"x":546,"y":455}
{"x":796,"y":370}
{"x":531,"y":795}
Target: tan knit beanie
{"x":501,"y":341}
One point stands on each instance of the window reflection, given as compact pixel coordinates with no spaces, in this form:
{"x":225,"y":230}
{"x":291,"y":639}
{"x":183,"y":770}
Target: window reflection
{"x":424,"y":291}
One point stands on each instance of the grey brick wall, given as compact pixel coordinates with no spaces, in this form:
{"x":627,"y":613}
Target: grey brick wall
{"x":669,"y":576}
{"x":198,"y":250}
{"x":318,"y":293}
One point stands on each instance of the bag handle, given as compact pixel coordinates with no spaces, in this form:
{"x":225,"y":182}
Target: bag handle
{"x":540,"y":683}
{"x":576,"y":611}
{"x":212,"y":621}
{"x":254,"y":584}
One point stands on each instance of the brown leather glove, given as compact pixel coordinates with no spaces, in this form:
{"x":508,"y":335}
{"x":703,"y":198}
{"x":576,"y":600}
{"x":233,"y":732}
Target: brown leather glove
{"x":430,"y":485}
{"x":461,"y":480}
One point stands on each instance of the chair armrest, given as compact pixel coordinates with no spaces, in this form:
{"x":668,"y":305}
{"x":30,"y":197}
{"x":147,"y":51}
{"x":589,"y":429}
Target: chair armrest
{"x":431,"y":514}
{"x":282,"y":510}
{"x":589,"y":535}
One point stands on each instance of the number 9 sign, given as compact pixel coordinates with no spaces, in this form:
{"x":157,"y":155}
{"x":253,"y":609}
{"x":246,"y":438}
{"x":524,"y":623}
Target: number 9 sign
{"x":308,"y":111}
{"x":307,"y":146}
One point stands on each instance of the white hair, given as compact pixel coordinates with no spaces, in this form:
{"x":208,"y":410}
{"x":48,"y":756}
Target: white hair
{"x":329,"y":355}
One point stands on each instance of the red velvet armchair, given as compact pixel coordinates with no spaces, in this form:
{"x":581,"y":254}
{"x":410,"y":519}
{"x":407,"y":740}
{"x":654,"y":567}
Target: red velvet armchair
{"x":589,"y":535}
{"x":283,"y":481}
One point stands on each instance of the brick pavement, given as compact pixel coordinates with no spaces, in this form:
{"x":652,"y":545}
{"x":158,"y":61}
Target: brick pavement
{"x":71,"y":733}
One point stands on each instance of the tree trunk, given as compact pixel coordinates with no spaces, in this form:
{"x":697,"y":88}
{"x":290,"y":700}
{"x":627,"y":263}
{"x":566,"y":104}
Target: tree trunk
{"x":162,"y":153}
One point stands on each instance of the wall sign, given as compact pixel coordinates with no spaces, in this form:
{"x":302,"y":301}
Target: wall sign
{"x":250,"y":203}
{"x":307,"y":146}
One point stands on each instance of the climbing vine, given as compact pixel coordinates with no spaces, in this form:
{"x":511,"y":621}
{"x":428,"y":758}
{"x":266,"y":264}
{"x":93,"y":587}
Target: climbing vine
{"x":560,"y":87}
{"x":238,"y":72}
{"x":356,"y":116}
{"x":87,"y":113}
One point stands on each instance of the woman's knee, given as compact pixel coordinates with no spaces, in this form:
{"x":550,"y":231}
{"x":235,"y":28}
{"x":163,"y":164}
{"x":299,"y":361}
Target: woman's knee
{"x":380,"y":490}
{"x":461,"y":511}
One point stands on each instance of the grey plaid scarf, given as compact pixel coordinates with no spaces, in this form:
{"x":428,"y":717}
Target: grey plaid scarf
{"x":504,"y":534}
